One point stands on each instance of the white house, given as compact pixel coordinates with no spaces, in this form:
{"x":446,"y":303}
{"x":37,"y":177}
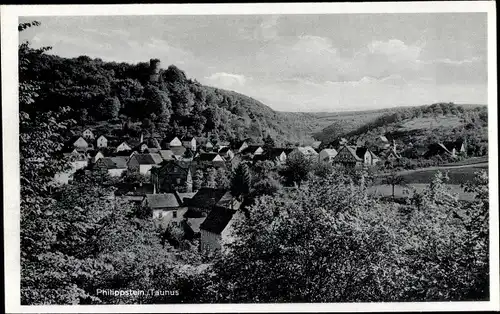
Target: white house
{"x":189,"y":142}
{"x":102,"y":141}
{"x":115,"y":166}
{"x":88,"y":134}
{"x":307,"y":151}
{"x":123,"y":147}
{"x":143,"y":163}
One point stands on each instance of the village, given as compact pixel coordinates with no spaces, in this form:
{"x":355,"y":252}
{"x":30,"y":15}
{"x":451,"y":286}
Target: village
{"x":170,"y":163}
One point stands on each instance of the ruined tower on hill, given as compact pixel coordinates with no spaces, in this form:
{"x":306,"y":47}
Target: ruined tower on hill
{"x":154,"y":65}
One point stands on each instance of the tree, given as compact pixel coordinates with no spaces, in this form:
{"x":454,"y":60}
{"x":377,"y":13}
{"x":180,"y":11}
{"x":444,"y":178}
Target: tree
{"x":268,"y":142}
{"x":109,"y":108}
{"x":393,"y":179}
{"x":297,"y":168}
{"x":240,"y":182}
{"x":198,"y":180}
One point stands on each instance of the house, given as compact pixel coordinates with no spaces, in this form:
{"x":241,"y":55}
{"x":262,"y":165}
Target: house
{"x":171,"y":141}
{"x":174,"y":175}
{"x":210,"y":159}
{"x":216,"y":229}
{"x":123,"y":147}
{"x":240,"y":146}
{"x":276,"y":155}
{"x":456,"y":147}
{"x":316,"y":144}
{"x":79,"y":142}
{"x":95,"y":155}
{"x":205,"y":199}
{"x":134,"y":193}
{"x":327,"y":154}
{"x":115,"y":166}
{"x":88,"y":134}
{"x":209,"y":146}
{"x":144,"y":162}
{"x":178,"y":151}
{"x":102,"y":141}
{"x":348,"y":157}
{"x":189,"y":142}
{"x":251,"y":151}
{"x":167,"y":154}
{"x":166,"y":208}
{"x":440,"y":149}
{"x":307,"y":151}
{"x":369,"y":158}
{"x":226,"y":153}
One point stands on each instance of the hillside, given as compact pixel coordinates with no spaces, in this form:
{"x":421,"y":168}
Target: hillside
{"x":127,"y":99}
{"x":417,"y":126}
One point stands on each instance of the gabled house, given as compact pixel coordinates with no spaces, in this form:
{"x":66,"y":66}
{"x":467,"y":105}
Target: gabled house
{"x":240,"y":146}
{"x":143,"y":163}
{"x":95,"y":156}
{"x":134,"y":193}
{"x":171,"y":141}
{"x":178,"y":151}
{"x":189,"y":142}
{"x":369,"y":158}
{"x":209,"y":146}
{"x":102,"y":141}
{"x":308,"y":152}
{"x":115,"y":166}
{"x":348,"y":157}
{"x":216,"y":229}
{"x":276,"y":155}
{"x":173,"y":176}
{"x":88,"y":134}
{"x":226,"y":153}
{"x":205,"y":199}
{"x":251,"y":151}
{"x":79,"y":142}
{"x":327,"y":154}
{"x":210,"y":159}
{"x":123,"y":147}
{"x":166,"y":208}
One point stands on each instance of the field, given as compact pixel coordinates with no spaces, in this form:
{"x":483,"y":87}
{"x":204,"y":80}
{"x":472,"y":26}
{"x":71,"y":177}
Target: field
{"x":431,"y":123}
{"x":400,"y":192}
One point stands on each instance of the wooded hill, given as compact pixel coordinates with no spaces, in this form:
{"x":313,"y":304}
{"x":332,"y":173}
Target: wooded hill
{"x":420,"y":126}
{"x":127,"y":99}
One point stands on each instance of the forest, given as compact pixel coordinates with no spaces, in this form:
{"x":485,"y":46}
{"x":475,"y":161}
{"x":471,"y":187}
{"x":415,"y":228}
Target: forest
{"x":320,"y":237}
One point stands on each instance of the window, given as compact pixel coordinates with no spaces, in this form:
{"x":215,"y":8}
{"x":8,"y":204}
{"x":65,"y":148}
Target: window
{"x":178,"y":180}
{"x":174,"y":214}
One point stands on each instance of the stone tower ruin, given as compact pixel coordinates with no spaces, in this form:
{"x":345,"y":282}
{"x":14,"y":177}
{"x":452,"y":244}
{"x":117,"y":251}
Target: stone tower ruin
{"x":154,"y":66}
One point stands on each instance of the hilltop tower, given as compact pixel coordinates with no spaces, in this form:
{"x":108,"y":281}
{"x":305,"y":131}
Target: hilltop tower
{"x":154,"y":66}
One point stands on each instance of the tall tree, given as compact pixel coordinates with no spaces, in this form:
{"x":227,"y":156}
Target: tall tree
{"x":240,"y":182}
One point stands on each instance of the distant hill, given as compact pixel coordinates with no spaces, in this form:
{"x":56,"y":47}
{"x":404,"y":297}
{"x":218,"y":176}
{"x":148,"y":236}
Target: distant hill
{"x":124,"y":99}
{"x":415,"y":126}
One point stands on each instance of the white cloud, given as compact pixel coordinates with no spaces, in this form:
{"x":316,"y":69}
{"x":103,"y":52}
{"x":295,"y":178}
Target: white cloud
{"x":227,"y":80}
{"x":395,"y":49}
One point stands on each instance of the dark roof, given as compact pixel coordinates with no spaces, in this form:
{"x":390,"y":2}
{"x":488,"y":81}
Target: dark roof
{"x":217,"y":220}
{"x":170,"y":138}
{"x":136,"y":189}
{"x":360,"y":151}
{"x":156,"y":201}
{"x":251,"y":149}
{"x":224,"y":150}
{"x":148,"y":159}
{"x":114,"y":162}
{"x":187,"y":138}
{"x":206,"y":198}
{"x":206,"y":156}
{"x":167,"y":154}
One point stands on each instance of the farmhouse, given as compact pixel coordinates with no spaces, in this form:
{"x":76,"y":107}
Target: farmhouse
{"x":251,"y":151}
{"x":115,"y":166}
{"x":327,"y":154}
{"x":307,"y":151}
{"x":189,"y":142}
{"x":88,"y":134}
{"x":102,"y":141}
{"x":348,"y":157}
{"x":144,"y":162}
{"x":172,"y":176}
{"x":369,"y":158}
{"x":166,"y":208}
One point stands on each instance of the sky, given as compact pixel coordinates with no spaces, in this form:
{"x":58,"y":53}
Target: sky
{"x":323,"y":62}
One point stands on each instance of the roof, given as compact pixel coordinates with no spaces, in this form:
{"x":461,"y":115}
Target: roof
{"x":226,"y":201}
{"x":114,"y":162}
{"x":170,"y":138}
{"x":206,"y":156}
{"x":156,"y":201}
{"x":187,"y":138}
{"x":206,"y":198}
{"x":136,"y":189}
{"x":217,"y":220}
{"x":195,"y":223}
{"x":360,"y":151}
{"x":178,"y":150}
{"x":316,"y":144}
{"x":167,"y":154}
{"x":330,"y":151}
{"x":148,"y":159}
{"x":352,"y":150}
{"x":224,"y":150}
{"x":308,"y":150}
{"x":383,"y":138}
{"x":251,"y":149}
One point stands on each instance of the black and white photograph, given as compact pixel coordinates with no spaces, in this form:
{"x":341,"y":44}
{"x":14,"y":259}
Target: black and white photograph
{"x":233,"y":155}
